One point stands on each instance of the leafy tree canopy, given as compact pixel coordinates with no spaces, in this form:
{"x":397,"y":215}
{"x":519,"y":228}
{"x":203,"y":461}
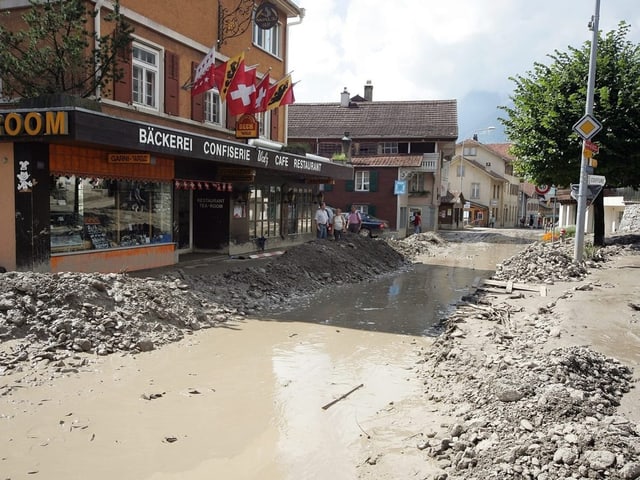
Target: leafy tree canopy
{"x":56,"y":53}
{"x":548,"y":101}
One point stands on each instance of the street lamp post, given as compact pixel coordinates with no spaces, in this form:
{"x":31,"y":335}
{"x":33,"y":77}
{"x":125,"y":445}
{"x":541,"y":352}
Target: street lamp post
{"x":346,"y":146}
{"x":583,"y":185}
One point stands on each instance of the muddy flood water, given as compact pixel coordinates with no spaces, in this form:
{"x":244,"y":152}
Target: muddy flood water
{"x":246,"y":401}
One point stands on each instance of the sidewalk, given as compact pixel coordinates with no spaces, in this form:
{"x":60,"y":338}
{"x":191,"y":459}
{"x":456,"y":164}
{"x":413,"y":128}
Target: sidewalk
{"x":206,"y":263}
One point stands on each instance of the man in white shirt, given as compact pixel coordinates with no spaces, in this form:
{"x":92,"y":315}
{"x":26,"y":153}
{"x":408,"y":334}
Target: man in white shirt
{"x":322,"y":221}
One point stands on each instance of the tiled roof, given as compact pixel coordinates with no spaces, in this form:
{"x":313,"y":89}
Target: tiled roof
{"x":428,"y":119}
{"x":388,"y":161}
{"x":501,"y":149}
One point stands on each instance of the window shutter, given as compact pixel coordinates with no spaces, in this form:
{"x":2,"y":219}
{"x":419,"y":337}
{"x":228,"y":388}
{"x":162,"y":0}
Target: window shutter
{"x":373,"y":181}
{"x":231,"y":119}
{"x":274,"y":124}
{"x":349,"y":186}
{"x":197,"y":102}
{"x":328,"y":187}
{"x":123,"y":88}
{"x":171,"y":83}
{"x":371,"y":210}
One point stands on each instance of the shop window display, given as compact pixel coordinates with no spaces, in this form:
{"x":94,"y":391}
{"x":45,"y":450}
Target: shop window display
{"x":95,"y":213}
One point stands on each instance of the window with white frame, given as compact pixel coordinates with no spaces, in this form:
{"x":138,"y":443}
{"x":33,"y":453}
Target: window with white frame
{"x":268,"y":40}
{"x":146,"y":69}
{"x":475,"y":190}
{"x":213,"y":111}
{"x":470,"y":151}
{"x":362,"y":181}
{"x":417,"y":183}
{"x":390,"y":147}
{"x":264,"y":124}
{"x":460,"y":171}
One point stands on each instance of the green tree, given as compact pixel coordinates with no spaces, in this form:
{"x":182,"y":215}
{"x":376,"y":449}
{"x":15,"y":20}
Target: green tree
{"x":56,"y":53}
{"x":550,"y":99}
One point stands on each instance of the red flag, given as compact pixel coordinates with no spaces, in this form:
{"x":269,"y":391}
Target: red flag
{"x":204,"y":76}
{"x":242,"y":90}
{"x":281,"y":94}
{"x":225,"y":72}
{"x":261,"y":95}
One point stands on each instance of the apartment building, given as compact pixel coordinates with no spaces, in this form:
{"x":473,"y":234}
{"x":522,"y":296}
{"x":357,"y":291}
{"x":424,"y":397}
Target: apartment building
{"x":396,"y":148}
{"x":142,"y":171}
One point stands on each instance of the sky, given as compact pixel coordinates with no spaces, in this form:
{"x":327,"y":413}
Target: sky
{"x":465,"y":50}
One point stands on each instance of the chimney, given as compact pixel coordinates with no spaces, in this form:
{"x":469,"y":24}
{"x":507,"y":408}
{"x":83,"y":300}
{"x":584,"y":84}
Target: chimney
{"x":344,"y":98}
{"x":368,"y":91}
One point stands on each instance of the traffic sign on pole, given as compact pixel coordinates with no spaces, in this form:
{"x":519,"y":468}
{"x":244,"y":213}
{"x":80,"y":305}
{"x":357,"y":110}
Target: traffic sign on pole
{"x":587,"y":126}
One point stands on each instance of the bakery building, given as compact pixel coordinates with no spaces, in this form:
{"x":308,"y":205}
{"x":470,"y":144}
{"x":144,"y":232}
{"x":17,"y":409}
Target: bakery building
{"x":142,"y":170}
{"x":85,"y":191}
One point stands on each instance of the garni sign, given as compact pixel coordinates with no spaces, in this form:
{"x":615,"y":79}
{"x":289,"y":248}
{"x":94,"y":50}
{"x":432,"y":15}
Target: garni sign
{"x":247,"y":127}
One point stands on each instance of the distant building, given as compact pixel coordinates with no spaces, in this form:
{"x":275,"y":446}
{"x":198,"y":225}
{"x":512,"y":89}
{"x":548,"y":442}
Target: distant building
{"x":396,"y":148}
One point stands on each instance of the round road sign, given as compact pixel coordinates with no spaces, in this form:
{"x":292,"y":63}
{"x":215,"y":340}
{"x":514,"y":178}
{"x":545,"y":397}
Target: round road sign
{"x":542,"y":189}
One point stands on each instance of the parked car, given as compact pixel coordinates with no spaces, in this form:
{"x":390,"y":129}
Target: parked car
{"x":372,"y":226}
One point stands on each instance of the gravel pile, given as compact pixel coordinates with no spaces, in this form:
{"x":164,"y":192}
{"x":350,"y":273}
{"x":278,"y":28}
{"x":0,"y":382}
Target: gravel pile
{"x":51,"y":318}
{"x":523,"y":412}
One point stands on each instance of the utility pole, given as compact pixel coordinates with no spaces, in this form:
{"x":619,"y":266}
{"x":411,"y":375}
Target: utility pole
{"x":582,"y":191}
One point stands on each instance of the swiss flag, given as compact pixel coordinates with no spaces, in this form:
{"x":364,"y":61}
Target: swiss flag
{"x":242,"y":90}
{"x":261,"y":95}
{"x":204,"y":75}
{"x":226,"y":72}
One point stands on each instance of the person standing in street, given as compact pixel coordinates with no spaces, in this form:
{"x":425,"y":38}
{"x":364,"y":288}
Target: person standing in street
{"x":354,"y":221}
{"x":417,"y":222}
{"x":338,"y":222}
{"x":322,"y":221}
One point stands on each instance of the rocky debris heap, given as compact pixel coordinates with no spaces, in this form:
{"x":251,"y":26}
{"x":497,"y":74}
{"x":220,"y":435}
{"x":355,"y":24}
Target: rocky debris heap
{"x":549,"y":262}
{"x":425,"y":243}
{"x":521,"y":411}
{"x":52,"y":317}
{"x":542,"y":262}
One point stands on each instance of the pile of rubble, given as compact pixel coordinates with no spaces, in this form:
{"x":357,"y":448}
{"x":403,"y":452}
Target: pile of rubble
{"x":426,"y":243}
{"x":52,"y":317}
{"x":524,"y":412}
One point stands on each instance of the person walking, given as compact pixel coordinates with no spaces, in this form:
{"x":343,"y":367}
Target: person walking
{"x":338,"y":221}
{"x":354,"y":221}
{"x":322,"y":221}
{"x":417,"y":222}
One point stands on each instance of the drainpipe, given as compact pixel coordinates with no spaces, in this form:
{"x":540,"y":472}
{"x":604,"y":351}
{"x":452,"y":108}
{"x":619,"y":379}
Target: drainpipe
{"x":286,"y":69}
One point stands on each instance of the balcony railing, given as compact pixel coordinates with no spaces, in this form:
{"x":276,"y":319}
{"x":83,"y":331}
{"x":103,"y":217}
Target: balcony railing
{"x":429,"y":162}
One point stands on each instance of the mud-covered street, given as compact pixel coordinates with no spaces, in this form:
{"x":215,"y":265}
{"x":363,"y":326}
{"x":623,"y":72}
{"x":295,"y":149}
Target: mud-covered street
{"x":244,"y":399}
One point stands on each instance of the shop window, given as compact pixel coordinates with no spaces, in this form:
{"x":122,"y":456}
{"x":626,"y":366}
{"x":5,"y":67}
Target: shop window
{"x":268,"y":40}
{"x":94,"y":213}
{"x":213,"y":108}
{"x":264,"y":211}
{"x":267,"y":204}
{"x":145,"y":76}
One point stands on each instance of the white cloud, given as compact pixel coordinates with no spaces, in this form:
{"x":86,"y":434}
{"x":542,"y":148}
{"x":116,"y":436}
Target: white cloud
{"x":423,"y":50}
